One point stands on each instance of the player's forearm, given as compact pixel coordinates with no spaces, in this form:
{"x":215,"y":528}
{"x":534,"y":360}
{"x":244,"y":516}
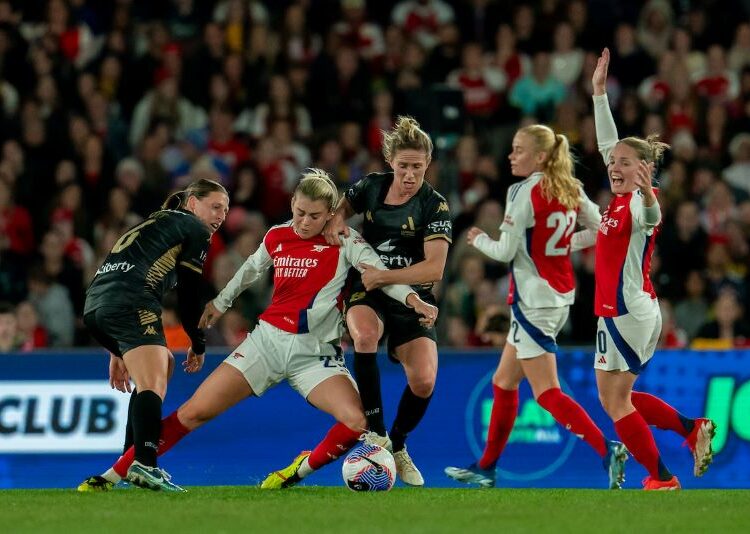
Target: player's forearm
{"x":399,"y":292}
{"x":606,"y":129}
{"x":503,"y":250}
{"x":583,"y":239}
{"x":192,"y":292}
{"x":344,"y":209}
{"x":424,"y":272}
{"x":242,"y":279}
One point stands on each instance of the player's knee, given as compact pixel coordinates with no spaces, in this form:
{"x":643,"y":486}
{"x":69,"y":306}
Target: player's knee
{"x":615,"y":406}
{"x":504,"y":381}
{"x":366,"y":340}
{"x":193,"y":415}
{"x":422,"y":386}
{"x":353,"y":417}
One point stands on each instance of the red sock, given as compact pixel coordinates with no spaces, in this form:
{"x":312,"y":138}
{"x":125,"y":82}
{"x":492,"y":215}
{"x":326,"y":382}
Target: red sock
{"x":172,"y":431}
{"x":658,"y":413}
{"x":637,"y":437}
{"x":573,"y":417}
{"x":504,"y":411}
{"x":339,"y":439}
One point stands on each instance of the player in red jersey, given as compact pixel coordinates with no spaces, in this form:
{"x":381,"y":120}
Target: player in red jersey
{"x":626,"y":304}
{"x":297,"y":335}
{"x":541,"y":213}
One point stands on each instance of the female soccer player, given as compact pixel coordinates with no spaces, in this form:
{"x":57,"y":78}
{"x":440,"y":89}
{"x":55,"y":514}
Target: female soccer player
{"x":541,"y":213}
{"x":297,"y":335}
{"x":409,"y":224}
{"x":626,"y":304}
{"x":123,"y":312}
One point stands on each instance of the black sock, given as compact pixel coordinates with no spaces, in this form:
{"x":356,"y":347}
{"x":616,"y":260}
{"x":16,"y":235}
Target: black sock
{"x":367,"y":373}
{"x":129,"y":423}
{"x":411,"y":409}
{"x":146,"y":426}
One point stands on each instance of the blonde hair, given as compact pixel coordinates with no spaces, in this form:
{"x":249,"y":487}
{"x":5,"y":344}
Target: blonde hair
{"x":649,"y":150}
{"x":199,"y":189}
{"x":316,"y":184}
{"x":406,"y":135}
{"x":558,"y":181}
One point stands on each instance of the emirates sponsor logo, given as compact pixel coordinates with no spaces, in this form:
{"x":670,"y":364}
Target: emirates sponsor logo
{"x":289,"y":267}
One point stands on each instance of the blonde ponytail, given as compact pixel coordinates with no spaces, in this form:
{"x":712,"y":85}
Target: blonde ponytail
{"x":558,"y":181}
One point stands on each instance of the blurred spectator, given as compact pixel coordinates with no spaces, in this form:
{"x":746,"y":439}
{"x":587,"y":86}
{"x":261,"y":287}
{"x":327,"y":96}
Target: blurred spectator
{"x":9,"y":335}
{"x":728,"y":328}
{"x":16,"y":231}
{"x":52,"y":302}
{"x":693,"y":60}
{"x":717,"y":82}
{"x":32,"y":334}
{"x":480,"y":83}
{"x":682,"y":246}
{"x":691,"y":311}
{"x":672,"y":336}
{"x":280,"y":105}
{"x":738,"y":173}
{"x":567,"y":58}
{"x":739,"y":53}
{"x":165,"y":104}
{"x":356,"y":31}
{"x":421,"y":19}
{"x":538,"y":93}
{"x":630,"y":64}
{"x":655,"y":27}
{"x":445,"y":57}
{"x":507,"y":57}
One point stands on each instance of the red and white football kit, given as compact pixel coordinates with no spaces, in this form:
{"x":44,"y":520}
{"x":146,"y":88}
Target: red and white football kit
{"x":298,"y":334}
{"x":625,"y":302}
{"x":535,"y":239}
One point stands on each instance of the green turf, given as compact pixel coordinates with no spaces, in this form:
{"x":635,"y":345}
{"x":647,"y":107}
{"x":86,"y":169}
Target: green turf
{"x":213,"y":510}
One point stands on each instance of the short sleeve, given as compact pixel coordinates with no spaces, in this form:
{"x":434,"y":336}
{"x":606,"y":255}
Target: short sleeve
{"x":518,"y":212}
{"x":438,"y":218}
{"x":356,"y":195}
{"x":195,"y":245}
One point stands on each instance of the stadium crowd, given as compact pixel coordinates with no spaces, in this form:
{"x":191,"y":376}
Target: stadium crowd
{"x":105,"y":107}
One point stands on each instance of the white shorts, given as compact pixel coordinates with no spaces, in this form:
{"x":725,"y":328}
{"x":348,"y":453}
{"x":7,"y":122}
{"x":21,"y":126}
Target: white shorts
{"x":269,"y":355}
{"x":533,"y":331}
{"x":625,"y":343}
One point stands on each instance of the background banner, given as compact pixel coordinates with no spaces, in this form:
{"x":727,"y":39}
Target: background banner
{"x":60,"y":422}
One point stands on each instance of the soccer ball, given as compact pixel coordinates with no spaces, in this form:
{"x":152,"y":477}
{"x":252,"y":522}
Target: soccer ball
{"x":369,"y":468}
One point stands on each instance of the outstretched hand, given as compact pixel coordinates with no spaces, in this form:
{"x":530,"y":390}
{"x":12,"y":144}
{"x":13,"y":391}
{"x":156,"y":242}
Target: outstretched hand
{"x":599,"y":78}
{"x":643,"y":178}
{"x":473,"y":233}
{"x":428,"y":312}
{"x":119,"y":378}
{"x":193,"y":362}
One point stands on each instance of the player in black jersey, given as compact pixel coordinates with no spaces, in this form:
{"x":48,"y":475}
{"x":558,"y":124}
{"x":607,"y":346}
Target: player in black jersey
{"x":409,"y":224}
{"x":123,"y":313}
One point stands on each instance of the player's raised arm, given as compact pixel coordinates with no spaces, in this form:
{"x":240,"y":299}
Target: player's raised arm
{"x":606,"y":129}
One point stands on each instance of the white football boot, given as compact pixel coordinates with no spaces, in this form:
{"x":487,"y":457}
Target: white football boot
{"x":406,"y":469}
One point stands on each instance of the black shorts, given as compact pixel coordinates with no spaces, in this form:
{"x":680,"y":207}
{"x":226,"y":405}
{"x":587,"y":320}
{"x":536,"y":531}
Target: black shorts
{"x":401,"y":323}
{"x":122,"y":329}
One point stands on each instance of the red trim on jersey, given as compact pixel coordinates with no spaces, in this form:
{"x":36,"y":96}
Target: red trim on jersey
{"x":550,"y":222}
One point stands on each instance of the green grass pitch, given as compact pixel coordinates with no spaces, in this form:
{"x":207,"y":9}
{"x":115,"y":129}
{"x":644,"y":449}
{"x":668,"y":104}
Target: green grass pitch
{"x":213,"y":510}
